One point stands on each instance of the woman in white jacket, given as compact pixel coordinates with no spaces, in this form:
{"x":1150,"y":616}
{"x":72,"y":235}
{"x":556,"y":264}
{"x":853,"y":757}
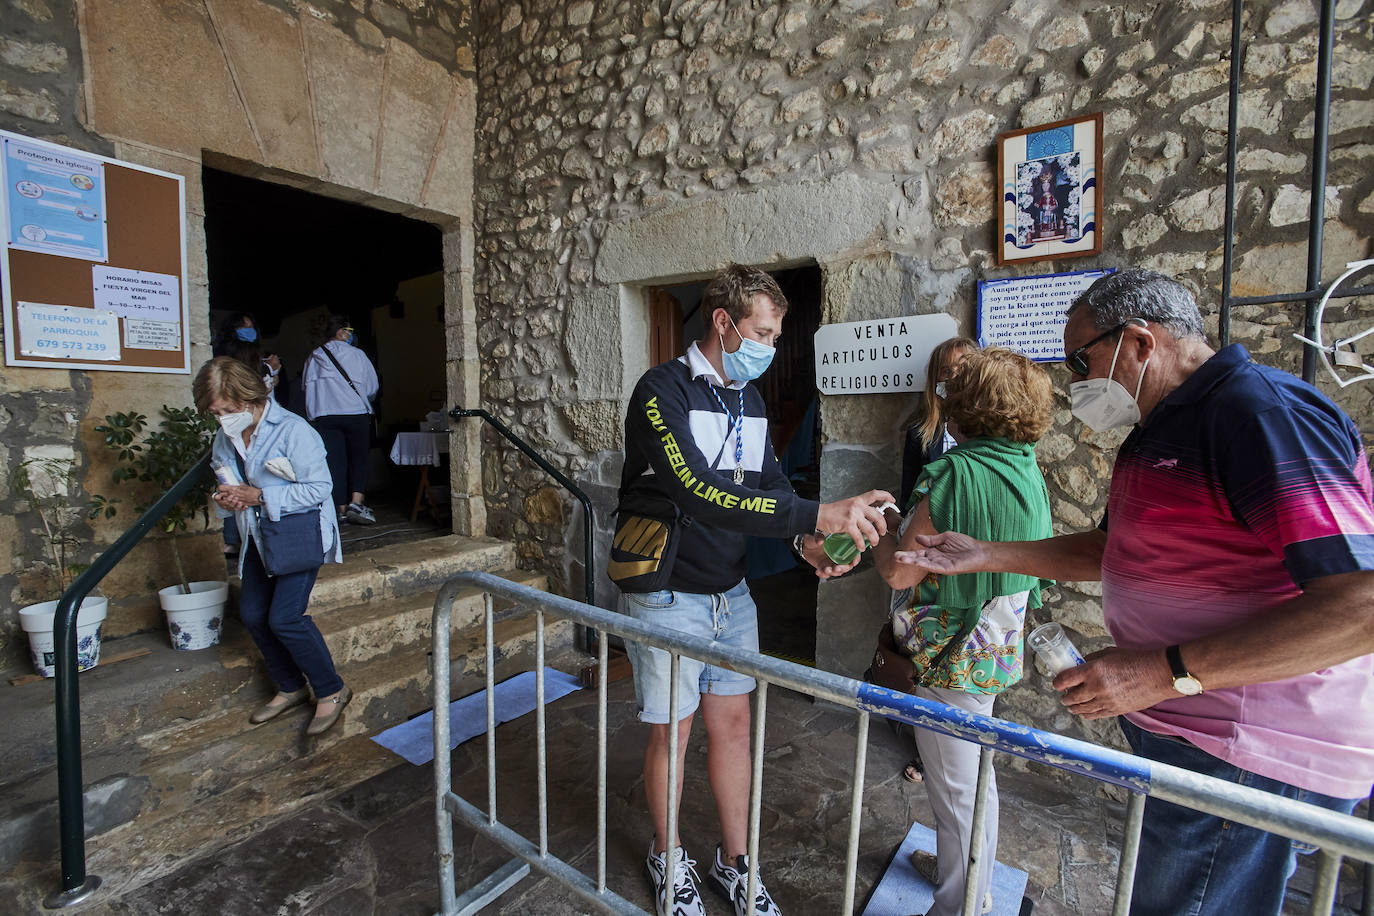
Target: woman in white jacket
{"x":340,"y":385}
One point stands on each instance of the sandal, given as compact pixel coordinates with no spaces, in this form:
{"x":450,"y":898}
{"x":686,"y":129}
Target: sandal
{"x":914,"y":771}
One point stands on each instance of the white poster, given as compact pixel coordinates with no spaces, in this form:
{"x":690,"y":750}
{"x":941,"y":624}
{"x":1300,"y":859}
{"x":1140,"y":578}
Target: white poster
{"x":137,"y":293}
{"x":1026,"y":314}
{"x":876,"y":357}
{"x":142,"y":334}
{"x":65,"y":332}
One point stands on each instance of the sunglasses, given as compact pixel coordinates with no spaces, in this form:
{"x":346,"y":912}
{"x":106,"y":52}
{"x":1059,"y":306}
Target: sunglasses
{"x":1075,"y":361}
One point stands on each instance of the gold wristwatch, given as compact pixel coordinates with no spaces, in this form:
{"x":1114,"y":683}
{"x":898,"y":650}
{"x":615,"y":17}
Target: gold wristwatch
{"x":1184,"y":682}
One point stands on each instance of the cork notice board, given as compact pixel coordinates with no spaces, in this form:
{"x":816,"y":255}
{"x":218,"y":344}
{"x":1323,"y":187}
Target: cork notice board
{"x":93,"y":268}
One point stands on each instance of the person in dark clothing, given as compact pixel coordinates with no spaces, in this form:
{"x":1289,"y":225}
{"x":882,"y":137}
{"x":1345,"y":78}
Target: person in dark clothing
{"x":697,"y":444}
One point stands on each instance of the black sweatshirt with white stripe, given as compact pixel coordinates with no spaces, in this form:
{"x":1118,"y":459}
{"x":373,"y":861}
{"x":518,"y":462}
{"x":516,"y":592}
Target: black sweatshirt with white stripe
{"x":681,"y":442}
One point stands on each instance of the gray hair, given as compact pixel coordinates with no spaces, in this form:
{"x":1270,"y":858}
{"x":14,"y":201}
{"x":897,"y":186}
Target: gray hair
{"x":1135,"y":293}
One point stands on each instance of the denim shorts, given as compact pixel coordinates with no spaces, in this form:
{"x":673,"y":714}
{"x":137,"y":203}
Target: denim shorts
{"x":728,"y":619}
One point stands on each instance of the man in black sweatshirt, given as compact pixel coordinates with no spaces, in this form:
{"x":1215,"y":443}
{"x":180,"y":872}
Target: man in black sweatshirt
{"x":699,"y":478}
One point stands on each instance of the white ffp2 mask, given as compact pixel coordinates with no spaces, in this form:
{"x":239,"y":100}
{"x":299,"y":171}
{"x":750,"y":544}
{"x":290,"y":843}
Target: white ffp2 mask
{"x":1104,"y":403}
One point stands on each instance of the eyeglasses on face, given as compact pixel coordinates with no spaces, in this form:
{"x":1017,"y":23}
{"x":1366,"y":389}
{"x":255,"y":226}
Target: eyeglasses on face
{"x":1075,"y":361}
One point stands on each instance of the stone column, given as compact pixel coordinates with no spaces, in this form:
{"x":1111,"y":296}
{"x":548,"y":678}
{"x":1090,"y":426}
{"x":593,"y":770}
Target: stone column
{"x":464,"y":389}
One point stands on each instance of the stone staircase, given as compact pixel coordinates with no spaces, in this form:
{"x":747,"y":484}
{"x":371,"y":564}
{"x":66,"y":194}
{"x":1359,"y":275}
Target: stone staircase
{"x":171,"y":765}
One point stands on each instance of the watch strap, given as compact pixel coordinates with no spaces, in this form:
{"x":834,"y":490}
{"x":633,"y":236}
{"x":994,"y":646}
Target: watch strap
{"x":1175,"y":658}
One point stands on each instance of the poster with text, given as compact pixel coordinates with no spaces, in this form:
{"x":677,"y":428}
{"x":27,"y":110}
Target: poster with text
{"x":1026,"y":314}
{"x":54,"y":201}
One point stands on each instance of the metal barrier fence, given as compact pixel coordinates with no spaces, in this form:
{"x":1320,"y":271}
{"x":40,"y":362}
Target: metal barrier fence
{"x":1335,"y":835}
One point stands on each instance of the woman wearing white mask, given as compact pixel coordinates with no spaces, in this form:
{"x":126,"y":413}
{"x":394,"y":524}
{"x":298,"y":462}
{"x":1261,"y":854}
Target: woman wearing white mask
{"x":280,"y":484}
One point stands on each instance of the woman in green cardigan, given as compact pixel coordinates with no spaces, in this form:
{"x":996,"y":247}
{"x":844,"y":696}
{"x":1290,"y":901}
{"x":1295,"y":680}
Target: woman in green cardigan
{"x":964,"y":633}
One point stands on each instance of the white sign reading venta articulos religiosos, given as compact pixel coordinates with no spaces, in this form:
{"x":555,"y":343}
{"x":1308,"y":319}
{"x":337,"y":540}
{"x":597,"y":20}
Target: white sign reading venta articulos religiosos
{"x":880,"y":356}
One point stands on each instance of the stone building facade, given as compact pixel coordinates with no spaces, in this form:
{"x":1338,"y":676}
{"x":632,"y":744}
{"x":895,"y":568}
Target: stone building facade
{"x":577,"y":153}
{"x":629,"y":144}
{"x":369,"y":102}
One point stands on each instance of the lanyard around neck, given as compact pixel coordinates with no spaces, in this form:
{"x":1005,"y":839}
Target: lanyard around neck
{"x":736,"y":426}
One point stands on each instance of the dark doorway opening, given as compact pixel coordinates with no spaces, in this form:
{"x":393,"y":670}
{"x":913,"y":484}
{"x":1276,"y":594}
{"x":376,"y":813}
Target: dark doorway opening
{"x":783,"y":588}
{"x":290,"y":258}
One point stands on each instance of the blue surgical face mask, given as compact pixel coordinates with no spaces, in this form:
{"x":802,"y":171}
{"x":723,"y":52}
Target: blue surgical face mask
{"x":247,"y":335}
{"x":352,"y":339}
{"x":749,"y":361}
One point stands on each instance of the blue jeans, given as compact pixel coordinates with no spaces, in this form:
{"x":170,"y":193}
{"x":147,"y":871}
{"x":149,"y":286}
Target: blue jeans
{"x":729,"y":618}
{"x":1197,"y":864}
{"x":273,"y":610}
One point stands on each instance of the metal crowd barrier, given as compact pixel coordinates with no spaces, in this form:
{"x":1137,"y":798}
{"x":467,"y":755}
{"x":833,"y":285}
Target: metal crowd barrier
{"x":1335,"y":835}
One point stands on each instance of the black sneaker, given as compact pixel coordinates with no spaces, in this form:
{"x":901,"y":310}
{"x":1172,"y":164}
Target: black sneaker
{"x":355,"y":514}
{"x":731,"y":881}
{"x":686,"y":900}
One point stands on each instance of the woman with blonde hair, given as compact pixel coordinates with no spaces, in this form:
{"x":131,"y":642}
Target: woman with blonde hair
{"x":289,"y":529}
{"x":928,"y":440}
{"x":963,"y":634}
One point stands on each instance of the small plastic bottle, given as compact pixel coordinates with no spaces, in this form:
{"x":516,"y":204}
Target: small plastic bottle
{"x":225,"y":474}
{"x":840,"y":547}
{"x":1054,"y":648}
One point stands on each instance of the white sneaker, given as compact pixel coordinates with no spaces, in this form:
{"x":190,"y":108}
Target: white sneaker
{"x":731,"y":881}
{"x":925,"y":865}
{"x":686,"y":900}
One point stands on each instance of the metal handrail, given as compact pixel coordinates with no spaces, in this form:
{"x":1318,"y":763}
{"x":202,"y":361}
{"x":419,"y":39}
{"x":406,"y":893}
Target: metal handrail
{"x":76,"y":884}
{"x":1337,"y":835}
{"x":589,"y":569}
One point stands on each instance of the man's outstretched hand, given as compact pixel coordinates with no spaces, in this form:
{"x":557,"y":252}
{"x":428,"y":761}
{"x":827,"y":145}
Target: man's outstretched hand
{"x":947,"y":553}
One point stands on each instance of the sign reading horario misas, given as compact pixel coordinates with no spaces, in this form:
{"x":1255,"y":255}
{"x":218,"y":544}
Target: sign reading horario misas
{"x":876,"y":357}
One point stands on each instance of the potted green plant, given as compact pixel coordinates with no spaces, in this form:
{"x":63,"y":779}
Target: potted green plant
{"x":50,"y":484}
{"x":157,"y":459}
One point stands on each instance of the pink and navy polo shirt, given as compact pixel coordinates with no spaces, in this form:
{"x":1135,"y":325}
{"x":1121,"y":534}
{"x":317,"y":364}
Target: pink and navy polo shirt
{"x":1239,"y":487}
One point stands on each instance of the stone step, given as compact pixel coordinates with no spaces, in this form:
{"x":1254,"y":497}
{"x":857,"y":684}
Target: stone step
{"x":404,"y":569}
{"x":365,"y":631}
{"x":167,"y":777}
{"x":392,"y":608}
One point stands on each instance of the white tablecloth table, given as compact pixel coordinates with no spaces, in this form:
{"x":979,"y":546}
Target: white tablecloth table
{"x":421,"y":449}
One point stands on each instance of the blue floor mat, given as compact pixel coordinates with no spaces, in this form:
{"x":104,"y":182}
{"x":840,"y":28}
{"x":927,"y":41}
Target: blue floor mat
{"x":902,"y":891}
{"x":414,"y":740}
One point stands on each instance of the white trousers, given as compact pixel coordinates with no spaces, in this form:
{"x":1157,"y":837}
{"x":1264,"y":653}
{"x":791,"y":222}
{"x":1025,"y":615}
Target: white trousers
{"x":951,"y":779}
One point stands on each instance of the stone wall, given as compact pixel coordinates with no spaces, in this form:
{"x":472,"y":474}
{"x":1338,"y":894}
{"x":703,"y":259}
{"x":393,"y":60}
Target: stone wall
{"x":370,"y":101}
{"x":621,"y":144}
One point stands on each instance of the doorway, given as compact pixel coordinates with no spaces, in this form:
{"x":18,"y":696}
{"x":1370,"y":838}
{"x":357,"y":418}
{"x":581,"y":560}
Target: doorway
{"x":291,"y":258}
{"x":783,"y":587}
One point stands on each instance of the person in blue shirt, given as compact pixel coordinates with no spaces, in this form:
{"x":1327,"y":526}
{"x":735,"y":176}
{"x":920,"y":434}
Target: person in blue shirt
{"x":280,"y":463}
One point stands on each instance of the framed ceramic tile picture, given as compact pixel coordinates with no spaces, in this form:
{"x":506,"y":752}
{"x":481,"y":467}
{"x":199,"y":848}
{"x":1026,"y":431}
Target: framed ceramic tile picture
{"x":1050,"y":201}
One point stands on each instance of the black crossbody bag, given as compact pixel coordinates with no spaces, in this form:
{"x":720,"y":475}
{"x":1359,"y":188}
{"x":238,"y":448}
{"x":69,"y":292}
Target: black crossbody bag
{"x":366,"y":403}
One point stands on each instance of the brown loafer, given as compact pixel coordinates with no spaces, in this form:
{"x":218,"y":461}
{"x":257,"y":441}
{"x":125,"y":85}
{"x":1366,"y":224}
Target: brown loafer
{"x":321,"y":724}
{"x":272,"y":708}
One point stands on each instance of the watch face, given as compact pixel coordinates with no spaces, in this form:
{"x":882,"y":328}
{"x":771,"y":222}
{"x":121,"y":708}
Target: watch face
{"x":1188,"y":686}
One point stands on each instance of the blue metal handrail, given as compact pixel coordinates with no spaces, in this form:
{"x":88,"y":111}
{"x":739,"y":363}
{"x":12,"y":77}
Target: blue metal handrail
{"x":76,"y":884}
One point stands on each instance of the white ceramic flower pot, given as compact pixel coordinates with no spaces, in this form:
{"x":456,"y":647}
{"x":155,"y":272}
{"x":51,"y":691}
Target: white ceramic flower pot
{"x":194,"y":621}
{"x":36,"y":619}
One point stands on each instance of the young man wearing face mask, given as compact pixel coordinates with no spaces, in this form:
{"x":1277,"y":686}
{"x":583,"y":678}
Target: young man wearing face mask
{"x":697,"y":444}
{"x":1237,"y":567}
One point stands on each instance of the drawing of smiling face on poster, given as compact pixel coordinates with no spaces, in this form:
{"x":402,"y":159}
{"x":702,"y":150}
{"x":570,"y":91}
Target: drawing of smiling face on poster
{"x":1050,"y":191}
